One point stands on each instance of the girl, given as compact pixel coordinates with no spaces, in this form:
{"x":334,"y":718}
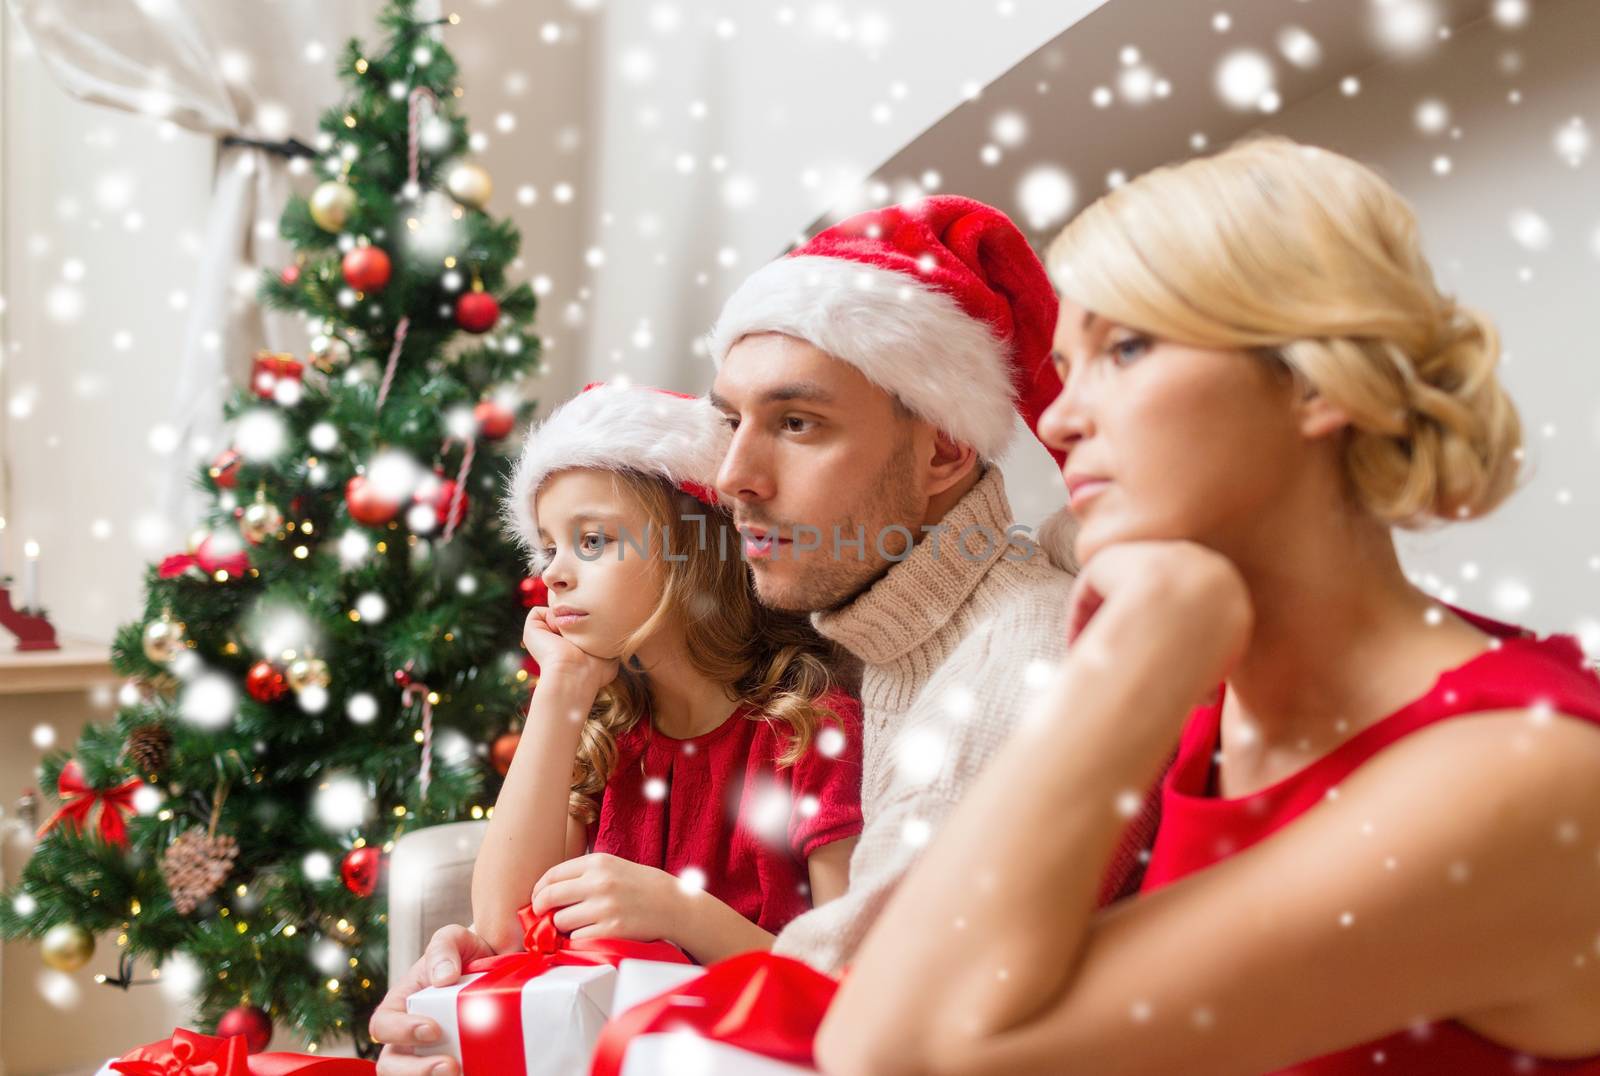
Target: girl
{"x":688,"y":771}
{"x":1378,"y":844}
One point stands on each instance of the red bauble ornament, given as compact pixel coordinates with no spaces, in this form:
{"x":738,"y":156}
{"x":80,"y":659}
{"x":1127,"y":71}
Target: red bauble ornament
{"x":290,"y":275}
{"x":438,"y":493}
{"x":367,"y":506}
{"x":402,"y":678}
{"x":494,"y":421}
{"x":225,"y":469}
{"x":265,"y":682}
{"x":533,"y":592}
{"x":503,"y":750}
{"x":477,"y":311}
{"x":366,"y":268}
{"x":270,"y":367}
{"x":251,"y":1022}
{"x":359,"y":870}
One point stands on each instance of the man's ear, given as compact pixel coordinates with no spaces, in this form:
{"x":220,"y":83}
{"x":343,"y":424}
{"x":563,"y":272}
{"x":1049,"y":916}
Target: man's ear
{"x":1319,"y":417}
{"x":949,"y":461}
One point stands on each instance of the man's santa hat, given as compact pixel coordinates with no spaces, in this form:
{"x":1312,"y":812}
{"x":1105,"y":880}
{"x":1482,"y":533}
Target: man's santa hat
{"x":616,"y":427}
{"x":940,"y":302}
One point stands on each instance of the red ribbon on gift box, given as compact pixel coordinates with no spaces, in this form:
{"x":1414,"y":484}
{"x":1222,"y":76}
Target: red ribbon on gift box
{"x":78,"y":799}
{"x":767,"y":1004}
{"x":489,"y":1010}
{"x":189,"y":1053}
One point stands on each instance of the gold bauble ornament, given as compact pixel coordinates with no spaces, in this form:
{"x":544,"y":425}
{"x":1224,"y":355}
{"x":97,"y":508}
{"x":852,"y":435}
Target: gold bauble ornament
{"x":66,"y":947}
{"x":331,"y":204}
{"x":470,"y":185}
{"x":260,"y":519}
{"x":164,"y":639}
{"x":305,"y":672}
{"x":328,"y":353}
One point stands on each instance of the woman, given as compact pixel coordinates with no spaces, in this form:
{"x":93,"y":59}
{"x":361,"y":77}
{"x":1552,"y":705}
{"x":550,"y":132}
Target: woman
{"x":1260,"y":381}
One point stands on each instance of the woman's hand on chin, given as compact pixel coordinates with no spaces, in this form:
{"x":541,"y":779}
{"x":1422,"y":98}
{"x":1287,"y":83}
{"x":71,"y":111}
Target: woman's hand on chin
{"x":1172,"y":607}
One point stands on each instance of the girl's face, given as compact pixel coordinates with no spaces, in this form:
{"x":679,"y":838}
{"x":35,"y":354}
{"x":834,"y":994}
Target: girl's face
{"x":1165,"y":441}
{"x":609,"y":585}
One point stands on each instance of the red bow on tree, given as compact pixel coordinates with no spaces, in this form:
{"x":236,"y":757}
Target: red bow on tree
{"x":78,"y":799}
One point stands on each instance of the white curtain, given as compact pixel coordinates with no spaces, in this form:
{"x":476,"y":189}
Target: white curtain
{"x":263,"y":70}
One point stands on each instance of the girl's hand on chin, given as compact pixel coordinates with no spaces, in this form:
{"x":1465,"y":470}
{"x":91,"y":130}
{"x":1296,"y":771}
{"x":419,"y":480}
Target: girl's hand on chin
{"x":561,"y":657}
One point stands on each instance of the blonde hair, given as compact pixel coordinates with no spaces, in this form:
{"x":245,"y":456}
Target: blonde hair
{"x":773,"y":661}
{"x":1312,"y":258}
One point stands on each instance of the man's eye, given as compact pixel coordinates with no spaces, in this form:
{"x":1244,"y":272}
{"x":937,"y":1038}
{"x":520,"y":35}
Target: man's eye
{"x":732,"y":421}
{"x":795,"y":424}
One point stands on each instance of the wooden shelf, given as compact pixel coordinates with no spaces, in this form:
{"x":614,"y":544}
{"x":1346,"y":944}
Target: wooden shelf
{"x":78,"y":665}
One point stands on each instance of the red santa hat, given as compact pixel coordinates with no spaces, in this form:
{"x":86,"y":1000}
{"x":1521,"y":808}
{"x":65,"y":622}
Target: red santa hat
{"x":939,"y":301}
{"x":617,"y":427}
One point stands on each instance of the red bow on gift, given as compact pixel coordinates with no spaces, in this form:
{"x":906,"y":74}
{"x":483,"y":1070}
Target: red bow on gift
{"x":766,"y":1004}
{"x":78,"y":799}
{"x":189,"y":1053}
{"x":489,"y":1009}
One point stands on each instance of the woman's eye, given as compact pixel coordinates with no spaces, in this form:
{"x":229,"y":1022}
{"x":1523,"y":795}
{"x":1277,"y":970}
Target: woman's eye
{"x":1126,"y":350}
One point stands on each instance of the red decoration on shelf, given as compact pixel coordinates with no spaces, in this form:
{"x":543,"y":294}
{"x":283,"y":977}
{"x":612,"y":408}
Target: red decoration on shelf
{"x":503,"y":750}
{"x":225,"y":469}
{"x":477,"y":311}
{"x":78,"y":799}
{"x":271,"y":367}
{"x":533,"y":592}
{"x":367,"y":506}
{"x":265,"y":682}
{"x":33,"y":631}
{"x":252,"y":1022}
{"x":359,"y":870}
{"x":494,"y":420}
{"x":366,"y":268}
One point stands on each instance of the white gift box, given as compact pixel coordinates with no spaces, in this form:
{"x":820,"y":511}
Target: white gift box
{"x":682,"y":1053}
{"x":562,"y":1010}
{"x":641,"y":980}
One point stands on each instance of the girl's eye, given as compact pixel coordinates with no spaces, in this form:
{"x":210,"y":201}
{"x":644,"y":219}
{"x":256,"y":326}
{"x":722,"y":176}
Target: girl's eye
{"x":549,"y":553}
{"x":594,"y":541}
{"x":1129,"y":348}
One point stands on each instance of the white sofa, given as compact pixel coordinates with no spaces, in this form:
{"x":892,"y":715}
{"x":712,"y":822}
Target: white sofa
{"x":430,"y":886}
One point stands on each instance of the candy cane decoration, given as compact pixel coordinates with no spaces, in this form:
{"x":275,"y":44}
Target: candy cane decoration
{"x":461,"y":489}
{"x":408,"y":694}
{"x":413,"y":170}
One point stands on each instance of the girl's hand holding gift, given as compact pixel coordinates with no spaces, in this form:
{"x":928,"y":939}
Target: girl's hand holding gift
{"x":604,"y":896}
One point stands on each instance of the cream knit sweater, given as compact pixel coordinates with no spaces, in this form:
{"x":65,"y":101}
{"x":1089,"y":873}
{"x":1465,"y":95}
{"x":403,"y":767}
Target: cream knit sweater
{"x":952,"y":649}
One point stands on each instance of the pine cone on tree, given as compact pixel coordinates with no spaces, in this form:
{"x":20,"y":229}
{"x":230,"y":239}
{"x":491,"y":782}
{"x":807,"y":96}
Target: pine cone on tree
{"x":195,"y":864}
{"x":148,"y":746}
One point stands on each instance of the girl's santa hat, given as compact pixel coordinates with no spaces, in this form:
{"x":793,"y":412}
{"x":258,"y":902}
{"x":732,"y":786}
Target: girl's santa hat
{"x":617,"y":427}
{"x":940,"y":302}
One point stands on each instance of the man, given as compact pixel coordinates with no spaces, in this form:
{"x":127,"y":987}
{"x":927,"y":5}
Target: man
{"x":873,"y":379}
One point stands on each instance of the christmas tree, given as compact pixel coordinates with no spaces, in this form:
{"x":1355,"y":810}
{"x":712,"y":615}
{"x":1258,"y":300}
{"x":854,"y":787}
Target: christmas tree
{"x":320,"y":672}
